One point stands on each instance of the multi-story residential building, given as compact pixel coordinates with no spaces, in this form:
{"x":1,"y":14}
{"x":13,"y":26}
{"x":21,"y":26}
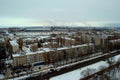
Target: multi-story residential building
{"x":28,"y":58}
{"x":49,"y":45}
{"x":65,"y":41}
{"x":97,"y":39}
{"x":48,"y":56}
{"x":14,"y":46}
{"x":114,"y":44}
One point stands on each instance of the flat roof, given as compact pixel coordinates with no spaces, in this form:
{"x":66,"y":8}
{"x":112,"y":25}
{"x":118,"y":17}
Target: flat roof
{"x":42,"y":50}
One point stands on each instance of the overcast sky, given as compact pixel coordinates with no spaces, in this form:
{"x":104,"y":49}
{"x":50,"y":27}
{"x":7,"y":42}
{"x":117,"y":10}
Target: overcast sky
{"x":42,"y":12}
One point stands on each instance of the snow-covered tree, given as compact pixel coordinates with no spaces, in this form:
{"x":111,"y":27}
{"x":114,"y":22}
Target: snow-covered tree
{"x":111,"y":61}
{"x":87,"y":72}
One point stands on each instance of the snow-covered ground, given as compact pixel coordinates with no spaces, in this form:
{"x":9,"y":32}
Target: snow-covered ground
{"x":1,"y":76}
{"x":75,"y":75}
{"x":117,"y":58}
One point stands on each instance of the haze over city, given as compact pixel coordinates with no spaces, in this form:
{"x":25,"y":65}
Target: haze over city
{"x":58,"y":12}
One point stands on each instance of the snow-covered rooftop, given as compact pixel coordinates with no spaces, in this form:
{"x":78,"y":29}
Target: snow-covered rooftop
{"x":9,"y":61}
{"x":11,"y":36}
{"x":116,"y":40}
{"x":28,"y":52}
{"x":67,"y":38}
{"x":1,"y":39}
{"x":42,"y":50}
{"x":14,"y":43}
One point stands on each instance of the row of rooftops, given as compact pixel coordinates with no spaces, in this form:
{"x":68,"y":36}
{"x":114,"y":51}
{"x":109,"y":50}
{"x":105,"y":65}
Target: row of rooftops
{"x":13,"y":41}
{"x":45,"y":37}
{"x":42,"y":50}
{"x":98,"y":34}
{"x":29,"y":35}
{"x":116,"y":40}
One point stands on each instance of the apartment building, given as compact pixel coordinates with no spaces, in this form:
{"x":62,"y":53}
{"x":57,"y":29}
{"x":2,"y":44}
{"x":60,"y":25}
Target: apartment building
{"x":96,"y":39}
{"x":14,"y":46}
{"x":27,"y":58}
{"x":48,"y":56}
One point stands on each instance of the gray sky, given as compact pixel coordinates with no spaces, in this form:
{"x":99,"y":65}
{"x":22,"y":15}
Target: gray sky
{"x":44,"y":12}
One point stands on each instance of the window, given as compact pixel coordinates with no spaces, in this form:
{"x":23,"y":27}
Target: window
{"x":77,"y":49}
{"x":28,"y":59}
{"x":35,"y":58}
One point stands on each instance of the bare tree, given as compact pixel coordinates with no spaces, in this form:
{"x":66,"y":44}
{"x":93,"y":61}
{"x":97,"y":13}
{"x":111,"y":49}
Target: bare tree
{"x":87,"y":72}
{"x":111,"y":61}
